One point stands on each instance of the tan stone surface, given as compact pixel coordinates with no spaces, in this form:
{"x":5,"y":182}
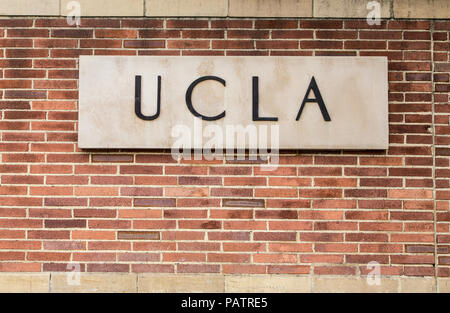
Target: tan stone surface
{"x":180,"y":283}
{"x":126,"y":282}
{"x":422,"y":9}
{"x":270,"y":8}
{"x":443,"y":285}
{"x":186,"y":7}
{"x":348,"y":8}
{"x":267,"y":283}
{"x":239,"y":8}
{"x":106,"y":7}
{"x":29,"y":7}
{"x":353,"y":284}
{"x":354,"y":90}
{"x":28,"y":282}
{"x":417,"y":285}
{"x":95,"y":282}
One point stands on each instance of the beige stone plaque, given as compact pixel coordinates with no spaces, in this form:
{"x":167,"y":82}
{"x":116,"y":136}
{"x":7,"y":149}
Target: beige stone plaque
{"x":289,"y":102}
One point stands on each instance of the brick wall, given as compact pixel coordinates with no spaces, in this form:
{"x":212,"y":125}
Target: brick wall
{"x":320,"y":212}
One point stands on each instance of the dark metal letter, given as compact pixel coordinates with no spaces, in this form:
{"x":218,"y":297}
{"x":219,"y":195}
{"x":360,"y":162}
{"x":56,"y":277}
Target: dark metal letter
{"x":318,"y":100}
{"x":137,"y":100}
{"x":255,"y":105}
{"x":189,"y":98}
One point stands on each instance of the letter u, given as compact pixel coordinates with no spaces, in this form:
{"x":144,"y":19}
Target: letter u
{"x":137,"y":100}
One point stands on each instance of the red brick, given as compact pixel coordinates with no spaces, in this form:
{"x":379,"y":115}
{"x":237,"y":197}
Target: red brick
{"x":319,"y":171}
{"x":65,"y":223}
{"x":108,"y":267}
{"x":423,"y":25}
{"x":274,"y":236}
{"x":367,"y":45}
{"x":169,"y":213}
{"x":115,"y":33}
{"x":244,"y":269}
{"x":276,"y":24}
{"x":321,"y":258}
{"x":239,"y":236}
{"x":172,"y":23}
{"x":93,"y":234}
{"x":277,"y":44}
{"x":16,"y":43}
{"x":5,"y":22}
{"x":72,"y":33}
{"x":321,"y":44}
{"x":232,"y":44}
{"x":326,"y":24}
{"x":56,"y":43}
{"x":159,"y":33}
{"x":227,"y":23}
{"x":20,"y":267}
{"x":200,"y":268}
{"x":365,"y":259}
{"x":138,"y":23}
{"x":334,"y":270}
{"x":188,"y":44}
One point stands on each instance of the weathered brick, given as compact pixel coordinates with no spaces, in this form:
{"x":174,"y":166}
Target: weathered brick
{"x":243,"y":203}
{"x":138,"y":235}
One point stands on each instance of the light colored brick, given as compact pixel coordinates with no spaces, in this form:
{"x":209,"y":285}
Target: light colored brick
{"x":348,"y":8}
{"x":267,"y":283}
{"x":94,"y":282}
{"x":422,"y":9}
{"x":29,"y":7}
{"x":26,"y":283}
{"x":443,"y":285}
{"x":180,"y":283}
{"x":271,"y":8}
{"x":105,"y":7}
{"x":186,"y":7}
{"x":417,"y":285}
{"x":353,"y":284}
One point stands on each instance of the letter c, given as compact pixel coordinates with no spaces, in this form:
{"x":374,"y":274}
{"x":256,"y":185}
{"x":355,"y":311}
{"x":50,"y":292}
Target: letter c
{"x":189,"y":98}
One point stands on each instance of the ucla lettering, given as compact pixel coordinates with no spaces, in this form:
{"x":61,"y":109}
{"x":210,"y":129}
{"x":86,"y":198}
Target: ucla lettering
{"x":255,"y":100}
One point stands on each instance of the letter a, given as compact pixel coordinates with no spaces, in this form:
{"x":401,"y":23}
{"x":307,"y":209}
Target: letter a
{"x":318,"y":100}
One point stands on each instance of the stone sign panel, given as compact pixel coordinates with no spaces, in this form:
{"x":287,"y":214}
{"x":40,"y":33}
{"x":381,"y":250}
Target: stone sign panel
{"x":233,"y":102}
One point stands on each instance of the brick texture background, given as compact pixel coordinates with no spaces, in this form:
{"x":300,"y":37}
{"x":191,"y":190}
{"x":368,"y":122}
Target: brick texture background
{"x":141,"y":211}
